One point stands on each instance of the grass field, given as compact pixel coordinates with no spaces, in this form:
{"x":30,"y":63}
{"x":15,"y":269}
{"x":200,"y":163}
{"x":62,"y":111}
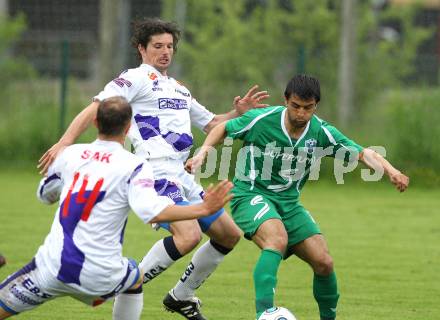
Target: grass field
{"x":386,"y":248}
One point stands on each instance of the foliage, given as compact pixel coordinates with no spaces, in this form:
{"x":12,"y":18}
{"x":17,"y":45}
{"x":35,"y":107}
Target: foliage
{"x":12,"y":67}
{"x":232,"y":44}
{"x":416,"y":150}
{"x":386,"y":63}
{"x":14,"y":123}
{"x":30,"y":121}
{"x":406,"y":123}
{"x":30,"y":124}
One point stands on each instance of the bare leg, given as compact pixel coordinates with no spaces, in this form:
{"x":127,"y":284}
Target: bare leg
{"x":315,"y":252}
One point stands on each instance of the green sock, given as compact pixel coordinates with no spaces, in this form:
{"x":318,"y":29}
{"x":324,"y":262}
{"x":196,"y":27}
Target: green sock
{"x":325,"y":291}
{"x":265,"y":279}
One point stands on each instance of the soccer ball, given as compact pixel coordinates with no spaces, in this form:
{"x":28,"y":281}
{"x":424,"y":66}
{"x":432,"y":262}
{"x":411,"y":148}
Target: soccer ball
{"x":277,"y":313}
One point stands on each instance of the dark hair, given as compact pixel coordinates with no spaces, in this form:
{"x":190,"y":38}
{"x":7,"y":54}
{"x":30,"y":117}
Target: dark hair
{"x":113,"y":116}
{"x":144,"y":29}
{"x":303,"y":86}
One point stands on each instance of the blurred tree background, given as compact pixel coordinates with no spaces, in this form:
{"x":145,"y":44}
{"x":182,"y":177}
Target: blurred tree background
{"x":391,"y":81}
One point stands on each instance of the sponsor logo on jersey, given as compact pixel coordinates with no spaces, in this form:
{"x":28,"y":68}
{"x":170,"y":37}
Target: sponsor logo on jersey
{"x":279,"y":155}
{"x":30,"y":285}
{"x":176,"y":104}
{"x":122,"y":82}
{"x":176,"y":196}
{"x":310,"y":145}
{"x":20,"y":296}
{"x":156,"y":86}
{"x":185,"y":94}
{"x":152,"y":75}
{"x":170,"y":189}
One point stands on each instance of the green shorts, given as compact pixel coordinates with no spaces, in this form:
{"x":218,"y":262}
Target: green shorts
{"x":251,"y":209}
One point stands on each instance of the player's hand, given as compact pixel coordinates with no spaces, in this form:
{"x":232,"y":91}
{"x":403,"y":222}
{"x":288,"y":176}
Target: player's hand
{"x":251,"y":100}
{"x":195,"y":162}
{"x":217,"y":196}
{"x":188,"y":165}
{"x":400,"y":180}
{"x":49,"y":157}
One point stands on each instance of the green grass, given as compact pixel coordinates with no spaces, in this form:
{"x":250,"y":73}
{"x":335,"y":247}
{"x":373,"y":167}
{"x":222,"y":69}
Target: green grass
{"x":386,"y":248}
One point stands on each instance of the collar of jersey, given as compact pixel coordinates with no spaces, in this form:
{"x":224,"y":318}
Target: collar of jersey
{"x":100,"y":142}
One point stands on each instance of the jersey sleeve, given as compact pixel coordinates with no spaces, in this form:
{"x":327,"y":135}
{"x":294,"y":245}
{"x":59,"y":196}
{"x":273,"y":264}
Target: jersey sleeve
{"x":142,"y":197}
{"x":50,"y":187}
{"x":237,"y":128}
{"x":200,"y":116}
{"x":339,"y":141}
{"x":127,"y":85}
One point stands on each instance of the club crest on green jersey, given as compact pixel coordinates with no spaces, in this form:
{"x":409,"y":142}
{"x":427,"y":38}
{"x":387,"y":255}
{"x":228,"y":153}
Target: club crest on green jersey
{"x":310,"y":145}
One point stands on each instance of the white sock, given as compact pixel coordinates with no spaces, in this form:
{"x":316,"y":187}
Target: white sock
{"x":204,"y":262}
{"x":155,"y":262}
{"x":128,"y":306}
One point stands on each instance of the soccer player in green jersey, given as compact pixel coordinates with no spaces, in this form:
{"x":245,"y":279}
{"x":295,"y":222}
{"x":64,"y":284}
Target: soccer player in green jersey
{"x":280,"y":145}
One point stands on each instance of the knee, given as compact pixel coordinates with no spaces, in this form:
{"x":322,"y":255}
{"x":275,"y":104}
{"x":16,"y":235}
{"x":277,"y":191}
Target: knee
{"x":230,"y":238}
{"x":187,"y":241}
{"x":277,"y":242}
{"x":281,"y":242}
{"x":324,"y":266}
{"x":225,"y":233}
{"x":234,"y":236}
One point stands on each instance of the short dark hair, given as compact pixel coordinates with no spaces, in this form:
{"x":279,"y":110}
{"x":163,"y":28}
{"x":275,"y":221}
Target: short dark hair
{"x":145,"y":28}
{"x":303,"y":86}
{"x":113,"y":116}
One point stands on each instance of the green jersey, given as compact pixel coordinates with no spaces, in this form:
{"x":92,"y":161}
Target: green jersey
{"x":275,"y":163}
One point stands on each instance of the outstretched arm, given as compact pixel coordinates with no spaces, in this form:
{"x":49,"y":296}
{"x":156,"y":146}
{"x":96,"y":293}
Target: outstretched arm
{"x":375,"y":161}
{"x":251,"y":100}
{"x":215,"y":136}
{"x":81,"y":122}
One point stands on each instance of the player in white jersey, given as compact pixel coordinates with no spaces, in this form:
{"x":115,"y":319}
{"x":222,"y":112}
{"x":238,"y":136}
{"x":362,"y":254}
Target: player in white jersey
{"x":164,"y":111}
{"x":97,"y":184}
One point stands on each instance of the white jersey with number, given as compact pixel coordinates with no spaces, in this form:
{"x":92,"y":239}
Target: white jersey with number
{"x":97,"y":184}
{"x":163,"y":112}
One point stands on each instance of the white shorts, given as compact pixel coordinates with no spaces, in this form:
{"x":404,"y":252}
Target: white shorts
{"x":31,"y":286}
{"x":173,"y":181}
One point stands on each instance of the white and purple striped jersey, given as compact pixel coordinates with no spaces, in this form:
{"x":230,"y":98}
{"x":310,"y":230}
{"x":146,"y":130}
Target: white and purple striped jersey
{"x":163,"y":112}
{"x":97,"y":184}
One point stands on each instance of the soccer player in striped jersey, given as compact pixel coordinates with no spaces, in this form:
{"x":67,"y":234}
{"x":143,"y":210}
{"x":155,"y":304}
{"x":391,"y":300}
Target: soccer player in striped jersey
{"x":97,"y":184}
{"x":280,"y":146}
